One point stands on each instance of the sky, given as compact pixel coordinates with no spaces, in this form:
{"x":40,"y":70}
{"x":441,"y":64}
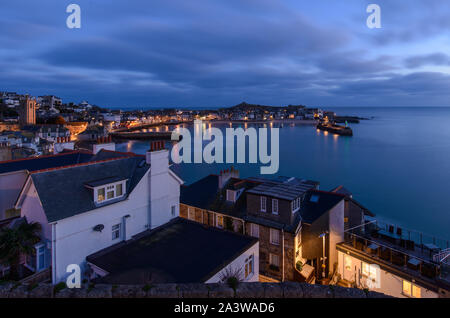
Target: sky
{"x":211,"y":53}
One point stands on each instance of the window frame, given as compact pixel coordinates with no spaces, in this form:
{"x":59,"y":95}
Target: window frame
{"x":263,"y":204}
{"x":116,"y":228}
{"x":109,"y":188}
{"x":275,"y":203}
{"x":412,"y":287}
{"x":254,"y":229}
{"x":271,"y":236}
{"x":249,"y":267}
{"x":191,"y":211}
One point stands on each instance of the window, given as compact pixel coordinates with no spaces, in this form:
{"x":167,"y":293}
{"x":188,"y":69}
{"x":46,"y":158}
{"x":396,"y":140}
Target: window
{"x":295,"y":204}
{"x":110,"y":192}
{"x":173,"y":210}
{"x":275,"y":236}
{"x":101,"y":195}
{"x":254,"y":230}
{"x":347,"y":262}
{"x":116,"y":231}
{"x":119,"y":190}
{"x":263,"y":204}
{"x":248,"y":270}
{"x":274,"y":206}
{"x":220,"y":221}
{"x":370,"y":271}
{"x":411,"y":290}
{"x":191,"y":214}
{"x":231,"y":196}
{"x":40,"y":257}
{"x":274,"y":260}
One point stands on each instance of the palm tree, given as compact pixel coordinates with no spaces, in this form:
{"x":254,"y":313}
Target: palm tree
{"x":17,"y":241}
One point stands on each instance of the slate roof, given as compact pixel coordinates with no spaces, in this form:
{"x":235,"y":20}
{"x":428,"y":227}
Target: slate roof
{"x":201,"y":193}
{"x":180,"y":251}
{"x":317,"y":203}
{"x":284,"y":188}
{"x":45,"y":162}
{"x":63,"y":192}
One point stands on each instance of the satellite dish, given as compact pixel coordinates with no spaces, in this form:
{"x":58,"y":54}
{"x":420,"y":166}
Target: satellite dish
{"x":99,"y":227}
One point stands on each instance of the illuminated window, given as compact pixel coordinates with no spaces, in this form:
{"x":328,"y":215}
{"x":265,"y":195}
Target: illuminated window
{"x":348,"y":262}
{"x":220,"y":221}
{"x":101,"y":194}
{"x":119,"y":190}
{"x":263,"y":204}
{"x":369,"y":270}
{"x":275,"y":236}
{"x":345,"y":220}
{"x":411,"y":290}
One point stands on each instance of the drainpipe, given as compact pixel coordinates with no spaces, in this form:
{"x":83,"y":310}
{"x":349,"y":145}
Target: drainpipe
{"x":282,"y":255}
{"x":54,"y":253}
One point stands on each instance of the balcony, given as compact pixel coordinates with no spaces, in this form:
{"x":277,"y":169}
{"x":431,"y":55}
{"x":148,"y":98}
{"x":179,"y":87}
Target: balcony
{"x":409,"y":251}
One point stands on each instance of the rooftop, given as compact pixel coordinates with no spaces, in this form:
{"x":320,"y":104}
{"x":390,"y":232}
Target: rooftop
{"x":283,"y":187}
{"x":180,"y":251}
{"x":63,"y":193}
{"x":316,"y":203}
{"x":45,"y":162}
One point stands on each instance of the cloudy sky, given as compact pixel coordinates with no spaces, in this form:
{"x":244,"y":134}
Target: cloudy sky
{"x":221,"y":52}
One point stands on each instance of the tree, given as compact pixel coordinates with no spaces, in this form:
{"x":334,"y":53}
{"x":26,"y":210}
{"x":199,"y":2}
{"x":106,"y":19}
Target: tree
{"x":18,"y":241}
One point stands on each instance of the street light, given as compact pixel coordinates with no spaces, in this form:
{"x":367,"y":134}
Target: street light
{"x":323,"y":258}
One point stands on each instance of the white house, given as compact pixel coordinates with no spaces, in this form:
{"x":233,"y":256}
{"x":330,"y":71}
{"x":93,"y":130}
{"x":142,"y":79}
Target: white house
{"x":88,"y":211}
{"x":90,"y":206}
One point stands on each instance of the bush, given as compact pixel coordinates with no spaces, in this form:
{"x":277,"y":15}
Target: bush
{"x":58,"y":287}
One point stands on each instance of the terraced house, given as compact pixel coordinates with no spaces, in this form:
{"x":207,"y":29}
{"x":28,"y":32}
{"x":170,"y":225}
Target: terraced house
{"x":298,"y":226}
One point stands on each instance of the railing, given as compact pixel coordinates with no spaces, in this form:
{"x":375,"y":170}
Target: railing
{"x":400,"y":251}
{"x":443,"y":256}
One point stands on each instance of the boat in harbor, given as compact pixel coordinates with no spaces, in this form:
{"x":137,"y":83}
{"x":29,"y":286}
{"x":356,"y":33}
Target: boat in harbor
{"x":335,"y":129}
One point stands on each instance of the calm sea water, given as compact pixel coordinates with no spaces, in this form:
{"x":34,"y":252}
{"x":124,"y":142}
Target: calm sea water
{"x":397,"y":164}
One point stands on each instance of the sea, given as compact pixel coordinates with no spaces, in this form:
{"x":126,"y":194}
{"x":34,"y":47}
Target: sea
{"x":396,"y":164}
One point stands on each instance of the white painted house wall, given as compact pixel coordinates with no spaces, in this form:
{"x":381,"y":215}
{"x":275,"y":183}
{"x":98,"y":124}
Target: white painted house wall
{"x":239,"y":263}
{"x":390,"y":284}
{"x":73,"y":238}
{"x":336,"y":219}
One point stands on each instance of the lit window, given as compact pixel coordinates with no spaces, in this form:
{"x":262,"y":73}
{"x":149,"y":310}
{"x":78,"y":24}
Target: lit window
{"x":116,"y":231}
{"x":220,"y":221}
{"x":263,"y":204}
{"x":274,"y":260}
{"x":274,"y":206}
{"x":348,"y":262}
{"x":275,"y":236}
{"x":248,"y":271}
{"x":119,"y":190}
{"x":369,"y":271}
{"x":101,"y":194}
{"x":411,"y":290}
{"x":254,"y":230}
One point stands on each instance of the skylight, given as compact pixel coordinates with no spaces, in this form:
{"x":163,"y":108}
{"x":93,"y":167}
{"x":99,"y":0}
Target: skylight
{"x":314,"y":198}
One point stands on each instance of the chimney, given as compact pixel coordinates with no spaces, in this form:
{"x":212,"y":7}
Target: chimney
{"x":225,"y":175}
{"x":160,"y":189}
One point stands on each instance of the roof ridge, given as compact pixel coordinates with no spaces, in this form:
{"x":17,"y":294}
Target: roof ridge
{"x":78,"y":164}
{"x":48,"y":156}
{"x":328,"y":192}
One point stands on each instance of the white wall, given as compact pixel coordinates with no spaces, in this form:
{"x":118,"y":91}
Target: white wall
{"x":239,"y":262}
{"x":390,"y":284}
{"x":336,"y":219}
{"x":10,"y":186}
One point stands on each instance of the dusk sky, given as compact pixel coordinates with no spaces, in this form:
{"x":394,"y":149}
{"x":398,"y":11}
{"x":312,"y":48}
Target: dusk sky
{"x":177,"y":53}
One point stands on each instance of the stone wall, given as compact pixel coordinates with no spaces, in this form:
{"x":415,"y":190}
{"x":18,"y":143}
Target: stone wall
{"x":244,"y":290}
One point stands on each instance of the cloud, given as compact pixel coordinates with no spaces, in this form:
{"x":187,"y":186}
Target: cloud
{"x":439,"y":59}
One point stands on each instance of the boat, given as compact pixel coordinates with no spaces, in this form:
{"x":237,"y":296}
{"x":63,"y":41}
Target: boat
{"x":335,"y":129}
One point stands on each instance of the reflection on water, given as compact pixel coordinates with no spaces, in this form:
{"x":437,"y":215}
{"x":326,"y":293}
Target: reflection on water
{"x":397,"y":164}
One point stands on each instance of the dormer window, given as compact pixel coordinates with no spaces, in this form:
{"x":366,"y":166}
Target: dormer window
{"x":107,"y":189}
